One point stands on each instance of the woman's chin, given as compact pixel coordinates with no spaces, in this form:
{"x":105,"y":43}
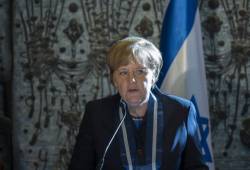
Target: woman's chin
{"x":134,"y":103}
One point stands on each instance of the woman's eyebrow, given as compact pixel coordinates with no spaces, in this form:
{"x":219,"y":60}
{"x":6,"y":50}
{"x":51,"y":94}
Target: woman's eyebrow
{"x":122,"y":68}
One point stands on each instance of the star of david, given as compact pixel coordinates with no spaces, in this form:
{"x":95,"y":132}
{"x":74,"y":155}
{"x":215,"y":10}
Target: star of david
{"x":204,"y":132}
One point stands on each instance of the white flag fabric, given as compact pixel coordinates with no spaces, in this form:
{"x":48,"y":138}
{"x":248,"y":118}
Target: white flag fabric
{"x":183,"y":72}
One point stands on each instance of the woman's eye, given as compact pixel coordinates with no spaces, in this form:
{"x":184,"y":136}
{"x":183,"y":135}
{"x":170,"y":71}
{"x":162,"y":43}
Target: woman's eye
{"x":123,"y":73}
{"x":140,"y":72}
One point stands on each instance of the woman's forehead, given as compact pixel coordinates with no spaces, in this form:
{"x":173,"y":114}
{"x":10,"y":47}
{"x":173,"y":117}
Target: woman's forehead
{"x":134,"y":59}
{"x":132,"y":65}
{"x":131,"y":60}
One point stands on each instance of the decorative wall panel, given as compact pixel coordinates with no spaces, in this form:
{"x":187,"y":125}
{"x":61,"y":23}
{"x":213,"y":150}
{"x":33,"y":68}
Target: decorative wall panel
{"x":59,"y":64}
{"x":5,"y":78}
{"x":227,"y":49}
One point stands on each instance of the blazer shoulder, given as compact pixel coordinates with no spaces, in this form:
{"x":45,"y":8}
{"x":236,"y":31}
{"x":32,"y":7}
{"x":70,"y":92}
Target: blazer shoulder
{"x":172,"y":100}
{"x":176,"y":108}
{"x":176,"y":100}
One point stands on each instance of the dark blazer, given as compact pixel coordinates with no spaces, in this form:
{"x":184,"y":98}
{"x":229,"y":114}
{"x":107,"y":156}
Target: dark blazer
{"x":101,"y":118}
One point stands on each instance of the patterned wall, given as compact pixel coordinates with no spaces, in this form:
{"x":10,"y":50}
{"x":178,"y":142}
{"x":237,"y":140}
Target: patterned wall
{"x":5,"y":78}
{"x":227,"y":50}
{"x":52,"y":55}
{"x":59,"y":64}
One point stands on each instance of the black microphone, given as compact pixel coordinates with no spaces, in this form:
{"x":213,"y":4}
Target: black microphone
{"x":101,"y":163}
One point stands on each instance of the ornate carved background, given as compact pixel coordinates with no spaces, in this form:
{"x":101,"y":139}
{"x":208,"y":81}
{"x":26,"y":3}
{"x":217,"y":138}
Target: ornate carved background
{"x":227,"y":50}
{"x":52,"y":55}
{"x":5,"y":78}
{"x":59,"y":65}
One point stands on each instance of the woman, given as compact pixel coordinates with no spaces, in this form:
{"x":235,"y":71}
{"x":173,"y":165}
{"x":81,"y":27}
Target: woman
{"x":140,"y":127}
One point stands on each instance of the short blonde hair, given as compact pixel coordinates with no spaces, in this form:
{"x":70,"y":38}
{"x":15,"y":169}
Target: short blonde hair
{"x":134,"y":49}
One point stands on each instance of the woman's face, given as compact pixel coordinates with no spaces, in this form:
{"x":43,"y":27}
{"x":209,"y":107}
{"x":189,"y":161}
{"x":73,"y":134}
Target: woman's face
{"x":133,"y":82}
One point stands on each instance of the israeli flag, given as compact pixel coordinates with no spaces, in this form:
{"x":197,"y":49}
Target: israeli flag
{"x":183,"y":71}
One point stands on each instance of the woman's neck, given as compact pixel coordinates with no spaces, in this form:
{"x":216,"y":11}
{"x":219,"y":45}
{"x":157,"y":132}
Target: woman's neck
{"x":138,"y":111}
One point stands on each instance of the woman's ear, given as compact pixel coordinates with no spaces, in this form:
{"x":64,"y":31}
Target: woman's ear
{"x":114,"y":83}
{"x":113,"y":80}
{"x":153,"y":81}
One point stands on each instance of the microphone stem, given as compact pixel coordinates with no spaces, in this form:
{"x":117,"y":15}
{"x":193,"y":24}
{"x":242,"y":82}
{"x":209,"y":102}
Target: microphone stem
{"x":110,"y":141}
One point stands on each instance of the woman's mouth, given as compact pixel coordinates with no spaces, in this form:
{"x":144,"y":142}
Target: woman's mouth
{"x":132,"y":90}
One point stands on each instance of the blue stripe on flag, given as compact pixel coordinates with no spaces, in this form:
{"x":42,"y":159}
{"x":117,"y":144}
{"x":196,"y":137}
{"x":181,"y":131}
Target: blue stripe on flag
{"x":177,"y":24}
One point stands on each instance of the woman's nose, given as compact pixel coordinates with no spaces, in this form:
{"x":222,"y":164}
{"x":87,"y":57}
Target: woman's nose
{"x":132,"y":77}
